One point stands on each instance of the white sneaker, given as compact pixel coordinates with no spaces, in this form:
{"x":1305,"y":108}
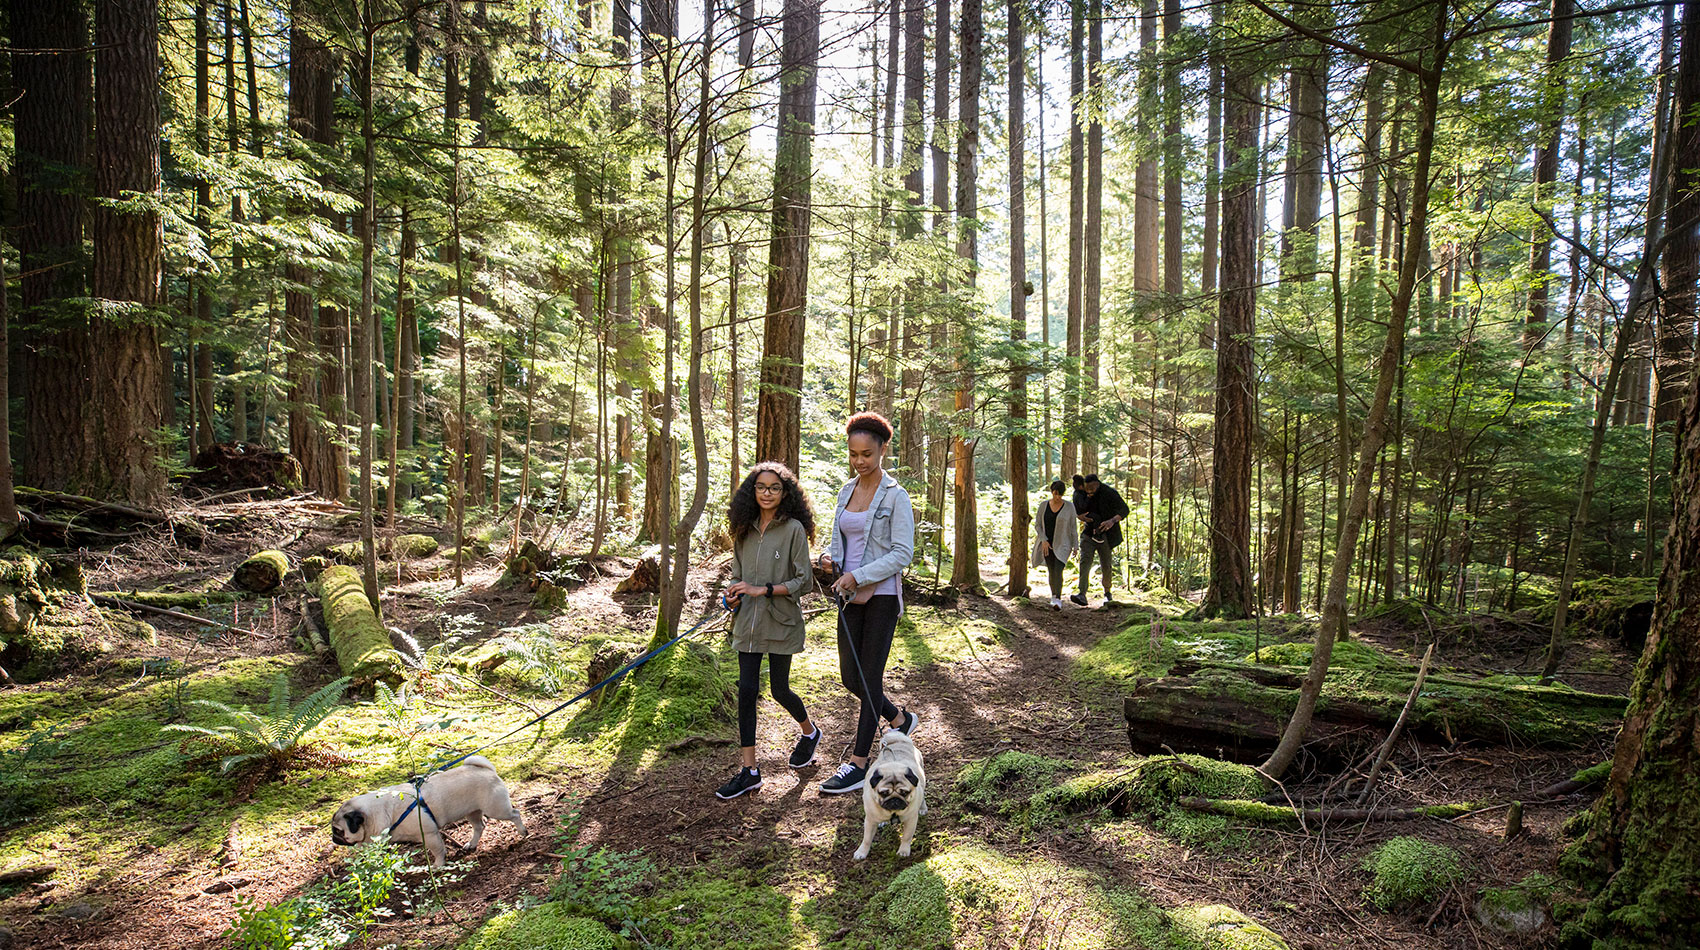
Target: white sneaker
{"x":1056,"y":603}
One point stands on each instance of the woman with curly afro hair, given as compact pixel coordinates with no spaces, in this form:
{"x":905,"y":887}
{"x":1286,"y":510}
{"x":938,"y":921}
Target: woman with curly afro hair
{"x":772,"y":524}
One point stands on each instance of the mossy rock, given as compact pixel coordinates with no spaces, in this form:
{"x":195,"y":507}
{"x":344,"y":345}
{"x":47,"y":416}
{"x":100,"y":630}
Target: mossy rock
{"x":1518,"y":909}
{"x":46,"y":620}
{"x":1410,"y":871}
{"x":362,"y":644}
{"x":410,"y":546}
{"x":1220,"y":927}
{"x":263,"y":572}
{"x":1406,"y":612}
{"x":1617,"y":607}
{"x":966,"y":896}
{"x":348,"y":552}
{"x":1150,"y":786}
{"x":544,"y":927}
{"x":1002,"y":784}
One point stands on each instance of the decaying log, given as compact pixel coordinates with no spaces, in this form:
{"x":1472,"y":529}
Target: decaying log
{"x":1238,"y":711}
{"x":361,"y":643}
{"x":263,"y":572}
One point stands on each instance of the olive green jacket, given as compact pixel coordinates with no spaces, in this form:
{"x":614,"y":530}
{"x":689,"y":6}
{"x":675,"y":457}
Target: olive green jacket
{"x":780,"y":557}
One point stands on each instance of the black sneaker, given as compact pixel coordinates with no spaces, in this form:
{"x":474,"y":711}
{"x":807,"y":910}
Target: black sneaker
{"x":803,"y":754}
{"x":909,"y":723}
{"x":747,"y":780}
{"x":848,"y":778}
{"x":1077,"y":599}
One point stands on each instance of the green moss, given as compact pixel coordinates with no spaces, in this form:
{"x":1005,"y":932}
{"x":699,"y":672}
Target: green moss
{"x":1347,"y":655}
{"x":1149,"y":786}
{"x":313,"y":566}
{"x":46,"y":621}
{"x":1593,"y":774}
{"x":174,"y":599}
{"x":263,"y":572}
{"x":1409,"y":870}
{"x":348,"y":552}
{"x":1003,"y":783}
{"x":544,"y":927}
{"x":1406,"y":612}
{"x":966,"y":896}
{"x":720,"y":907}
{"x":362,"y":644}
{"x":1220,"y":927}
{"x":409,"y":546}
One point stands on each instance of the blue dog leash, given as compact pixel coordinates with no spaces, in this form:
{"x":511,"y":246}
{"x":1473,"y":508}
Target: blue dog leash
{"x":419,"y":783}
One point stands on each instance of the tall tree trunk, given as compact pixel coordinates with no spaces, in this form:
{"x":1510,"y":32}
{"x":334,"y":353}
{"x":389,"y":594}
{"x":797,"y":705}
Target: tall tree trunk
{"x":1552,"y":95}
{"x":965,"y":569}
{"x":1674,"y":346}
{"x":911,"y":445}
{"x":311,"y":67}
{"x":944,"y":337}
{"x":123,"y":361}
{"x":779,"y":406}
{"x":1076,"y":234}
{"x":1641,"y":858}
{"x":1092,"y":234}
{"x":1334,"y":598}
{"x":1212,"y":164}
{"x":1229,"y":593}
{"x":369,"y":328}
{"x":201,"y":363}
{"x":1019,"y":517}
{"x":50,"y":128}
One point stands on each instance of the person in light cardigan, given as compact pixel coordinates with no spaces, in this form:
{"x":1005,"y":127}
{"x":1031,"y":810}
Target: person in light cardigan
{"x":873,"y":540}
{"x":1056,"y":539}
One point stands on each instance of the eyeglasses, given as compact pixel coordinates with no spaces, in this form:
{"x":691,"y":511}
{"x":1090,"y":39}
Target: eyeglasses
{"x":769,"y":489}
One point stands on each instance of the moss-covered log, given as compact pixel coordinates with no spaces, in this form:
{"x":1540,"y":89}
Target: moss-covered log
{"x":172,"y":599}
{"x":1241,"y":709}
{"x":262,"y":573}
{"x":348,"y":552}
{"x":409,"y":546}
{"x":361,"y":643}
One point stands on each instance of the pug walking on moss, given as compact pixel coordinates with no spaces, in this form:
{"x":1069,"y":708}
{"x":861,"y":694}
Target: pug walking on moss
{"x":896,"y":788}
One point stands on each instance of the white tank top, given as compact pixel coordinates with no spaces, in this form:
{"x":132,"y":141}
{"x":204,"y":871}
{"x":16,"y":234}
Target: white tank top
{"x":854,"y":524}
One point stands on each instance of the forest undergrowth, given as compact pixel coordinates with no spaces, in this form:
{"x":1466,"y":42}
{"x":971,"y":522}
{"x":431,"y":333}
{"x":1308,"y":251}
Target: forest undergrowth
{"x":1045,"y":829}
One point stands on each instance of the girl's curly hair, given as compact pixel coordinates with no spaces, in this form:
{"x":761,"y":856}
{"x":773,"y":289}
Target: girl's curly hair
{"x":793,"y":503}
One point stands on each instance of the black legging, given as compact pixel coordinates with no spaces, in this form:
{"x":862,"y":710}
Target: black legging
{"x":1055,"y":568}
{"x":869,"y":627}
{"x":1088,"y":549}
{"x":749,"y":690}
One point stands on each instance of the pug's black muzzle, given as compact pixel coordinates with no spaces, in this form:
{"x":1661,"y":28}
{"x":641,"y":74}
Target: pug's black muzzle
{"x":894,"y":804}
{"x":337,"y":838}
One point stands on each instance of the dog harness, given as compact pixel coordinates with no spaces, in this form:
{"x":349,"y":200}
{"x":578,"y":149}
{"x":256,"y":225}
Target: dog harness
{"x":419,"y":803}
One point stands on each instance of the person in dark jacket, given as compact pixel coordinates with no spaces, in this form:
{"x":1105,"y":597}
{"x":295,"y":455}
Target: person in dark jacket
{"x":1101,"y":511}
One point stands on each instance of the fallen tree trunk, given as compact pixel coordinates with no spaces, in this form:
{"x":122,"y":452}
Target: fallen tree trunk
{"x":262,"y":573}
{"x":1267,"y":813}
{"x":1238,"y":711}
{"x":171,"y":599}
{"x":360,"y":641}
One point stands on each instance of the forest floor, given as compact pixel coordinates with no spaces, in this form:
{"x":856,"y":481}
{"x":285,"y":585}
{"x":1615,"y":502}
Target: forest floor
{"x":148,"y":852}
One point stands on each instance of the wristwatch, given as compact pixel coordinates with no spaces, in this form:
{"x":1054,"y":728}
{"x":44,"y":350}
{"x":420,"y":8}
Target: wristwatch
{"x":770,"y":590}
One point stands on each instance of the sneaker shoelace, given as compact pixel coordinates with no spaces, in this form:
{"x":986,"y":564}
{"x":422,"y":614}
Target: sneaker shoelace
{"x":844,"y":769}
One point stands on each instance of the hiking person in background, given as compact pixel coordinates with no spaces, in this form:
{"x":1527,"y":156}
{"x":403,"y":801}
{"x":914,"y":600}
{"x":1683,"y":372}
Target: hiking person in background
{"x":873,"y":540}
{"x":1057,"y":538}
{"x":1102,"y":511}
{"x":772,"y":524}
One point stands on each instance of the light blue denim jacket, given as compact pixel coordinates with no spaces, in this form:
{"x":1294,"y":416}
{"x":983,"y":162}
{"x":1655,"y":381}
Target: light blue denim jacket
{"x":891,"y":535}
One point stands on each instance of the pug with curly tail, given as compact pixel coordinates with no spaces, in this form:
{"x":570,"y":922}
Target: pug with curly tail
{"x":896,"y":788}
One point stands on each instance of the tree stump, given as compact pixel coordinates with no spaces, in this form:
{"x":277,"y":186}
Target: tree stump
{"x":609,"y":656}
{"x":645,"y":578}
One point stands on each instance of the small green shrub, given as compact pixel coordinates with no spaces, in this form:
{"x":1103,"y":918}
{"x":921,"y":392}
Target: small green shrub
{"x":538,"y":655}
{"x":597,"y":882}
{"x":21,"y":794}
{"x":1411,"y":871}
{"x":331,"y":914}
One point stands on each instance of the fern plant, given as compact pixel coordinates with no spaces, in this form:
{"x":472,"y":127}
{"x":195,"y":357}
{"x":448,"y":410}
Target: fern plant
{"x":262,"y":744}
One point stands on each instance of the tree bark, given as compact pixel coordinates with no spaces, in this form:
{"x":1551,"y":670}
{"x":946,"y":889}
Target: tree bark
{"x":126,"y":406}
{"x":1019,"y":517}
{"x":50,"y":125}
{"x":779,"y":405}
{"x":1552,"y":94}
{"x":1229,"y":593}
{"x":1674,"y":344}
{"x":1076,"y":235}
{"x":965,"y":566}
